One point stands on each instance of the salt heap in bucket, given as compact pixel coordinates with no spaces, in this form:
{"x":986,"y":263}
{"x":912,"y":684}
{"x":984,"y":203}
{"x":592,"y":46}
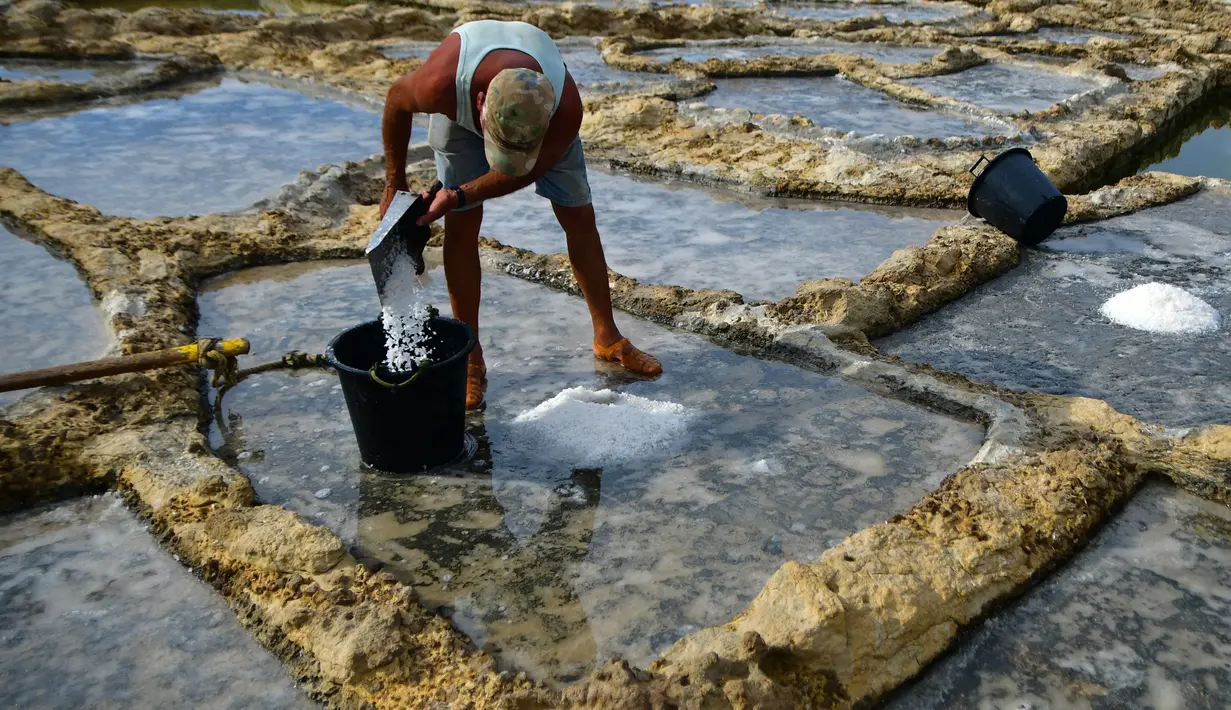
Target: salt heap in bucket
{"x":1161,"y":308}
{"x":588,"y":428}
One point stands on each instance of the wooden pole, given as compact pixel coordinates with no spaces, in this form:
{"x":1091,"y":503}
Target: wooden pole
{"x":64,"y":374}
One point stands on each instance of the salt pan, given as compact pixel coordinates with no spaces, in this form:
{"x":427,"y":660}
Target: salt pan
{"x":586,"y":427}
{"x":1161,"y":308}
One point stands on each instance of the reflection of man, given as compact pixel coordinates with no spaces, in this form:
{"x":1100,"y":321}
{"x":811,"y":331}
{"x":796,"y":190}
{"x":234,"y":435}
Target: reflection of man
{"x":505,"y":113}
{"x":456,"y":543}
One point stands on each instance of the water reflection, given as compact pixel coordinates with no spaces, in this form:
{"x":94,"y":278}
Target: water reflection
{"x":552,"y":567}
{"x":449,"y":535}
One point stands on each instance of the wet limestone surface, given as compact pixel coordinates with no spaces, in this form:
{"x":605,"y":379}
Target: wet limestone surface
{"x":701,"y":51}
{"x":898,"y":12}
{"x":221,"y":146}
{"x":683,"y":235}
{"x":1138,"y":619}
{"x":62,"y":71}
{"x":840,"y":104}
{"x":1038,"y":327}
{"x":1202,"y":147}
{"x":551,"y":566}
{"x":1068,"y":35}
{"x":94,"y":614}
{"x":47,"y":315}
{"x":1006,"y":88}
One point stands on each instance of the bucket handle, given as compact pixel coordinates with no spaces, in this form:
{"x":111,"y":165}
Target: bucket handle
{"x":982,"y":159}
{"x":423,"y":367}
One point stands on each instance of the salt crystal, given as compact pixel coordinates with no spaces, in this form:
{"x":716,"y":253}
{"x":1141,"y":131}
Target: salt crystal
{"x":244,"y":455}
{"x":262,"y":480}
{"x":323,"y":493}
{"x":324,"y":468}
{"x":1161,"y":308}
{"x":595,"y":428}
{"x":405,"y":315}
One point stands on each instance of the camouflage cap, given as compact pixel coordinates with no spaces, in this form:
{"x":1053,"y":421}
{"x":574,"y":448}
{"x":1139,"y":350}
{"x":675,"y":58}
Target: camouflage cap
{"x":516,"y":112}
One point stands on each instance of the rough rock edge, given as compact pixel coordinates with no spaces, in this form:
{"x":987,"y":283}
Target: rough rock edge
{"x":18,"y":96}
{"x":1082,"y":446}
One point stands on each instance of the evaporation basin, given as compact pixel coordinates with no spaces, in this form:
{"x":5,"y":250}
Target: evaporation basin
{"x":405,"y":422}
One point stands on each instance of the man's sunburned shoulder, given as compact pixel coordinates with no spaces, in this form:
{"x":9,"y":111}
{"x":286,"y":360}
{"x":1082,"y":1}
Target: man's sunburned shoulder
{"x":441,"y":64}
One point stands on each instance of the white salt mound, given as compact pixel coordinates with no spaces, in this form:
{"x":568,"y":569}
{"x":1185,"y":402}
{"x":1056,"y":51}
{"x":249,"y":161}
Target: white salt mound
{"x":1160,"y":308}
{"x":589,"y":428}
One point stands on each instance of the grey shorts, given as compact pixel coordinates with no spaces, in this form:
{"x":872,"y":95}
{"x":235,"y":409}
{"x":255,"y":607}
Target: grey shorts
{"x":460,"y":159}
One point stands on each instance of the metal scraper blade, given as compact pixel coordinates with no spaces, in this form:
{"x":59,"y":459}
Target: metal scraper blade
{"x":398,"y":237}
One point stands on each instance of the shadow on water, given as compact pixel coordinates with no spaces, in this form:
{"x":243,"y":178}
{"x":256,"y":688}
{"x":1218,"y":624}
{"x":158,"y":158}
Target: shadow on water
{"x":447,"y":534}
{"x":1196,"y":143}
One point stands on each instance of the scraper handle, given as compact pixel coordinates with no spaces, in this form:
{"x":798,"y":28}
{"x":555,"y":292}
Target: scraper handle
{"x":419,"y":207}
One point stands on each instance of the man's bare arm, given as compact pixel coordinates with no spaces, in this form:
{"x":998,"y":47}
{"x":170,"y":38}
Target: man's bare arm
{"x":395,"y":127}
{"x":563,"y":130}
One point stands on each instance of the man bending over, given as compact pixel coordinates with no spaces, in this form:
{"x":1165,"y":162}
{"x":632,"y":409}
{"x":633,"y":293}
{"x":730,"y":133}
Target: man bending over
{"x":504,"y":113}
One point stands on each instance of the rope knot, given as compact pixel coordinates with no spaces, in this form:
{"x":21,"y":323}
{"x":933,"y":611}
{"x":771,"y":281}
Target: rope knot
{"x":225,"y":368}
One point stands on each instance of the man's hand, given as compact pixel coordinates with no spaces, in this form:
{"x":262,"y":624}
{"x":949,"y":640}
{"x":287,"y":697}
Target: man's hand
{"x":445,"y":201}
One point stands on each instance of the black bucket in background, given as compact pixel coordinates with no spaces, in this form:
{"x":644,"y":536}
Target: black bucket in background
{"x":405,"y":426}
{"x":1014,"y":196}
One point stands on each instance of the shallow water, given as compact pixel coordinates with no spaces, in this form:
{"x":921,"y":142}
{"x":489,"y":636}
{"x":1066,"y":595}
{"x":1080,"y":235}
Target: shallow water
{"x":47,"y":314}
{"x":684,"y":235}
{"x":904,"y":12}
{"x":1138,"y":619}
{"x":94,"y":614}
{"x":247,"y":7}
{"x":588,"y":68}
{"x":1202,"y":147}
{"x":550,"y":566}
{"x":62,"y":71}
{"x":1069,"y":35}
{"x":1038,"y":327}
{"x":581,"y":57}
{"x":402,"y":50}
{"x":1006,"y":88}
{"x":837,"y":103}
{"x":701,"y":51}
{"x":220,"y":147}
{"x":1142,"y":72}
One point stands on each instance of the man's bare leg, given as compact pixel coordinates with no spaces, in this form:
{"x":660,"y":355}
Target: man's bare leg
{"x":585,"y":252}
{"x":464,"y":277}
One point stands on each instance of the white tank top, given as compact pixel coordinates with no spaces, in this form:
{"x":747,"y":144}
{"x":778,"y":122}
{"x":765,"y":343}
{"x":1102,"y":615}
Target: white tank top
{"x":482,"y":36}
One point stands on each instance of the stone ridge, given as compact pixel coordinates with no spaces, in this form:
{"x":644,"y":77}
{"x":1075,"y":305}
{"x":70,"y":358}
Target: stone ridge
{"x":840,"y":631}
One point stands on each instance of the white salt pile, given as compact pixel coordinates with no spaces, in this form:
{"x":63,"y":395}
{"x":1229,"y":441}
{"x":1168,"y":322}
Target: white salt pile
{"x":589,"y":428}
{"x":1161,"y":308}
{"x":404,"y":314}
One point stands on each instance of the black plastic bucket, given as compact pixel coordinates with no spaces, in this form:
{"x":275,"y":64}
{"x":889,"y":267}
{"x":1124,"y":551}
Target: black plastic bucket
{"x":408,"y":421}
{"x":1014,"y":196}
